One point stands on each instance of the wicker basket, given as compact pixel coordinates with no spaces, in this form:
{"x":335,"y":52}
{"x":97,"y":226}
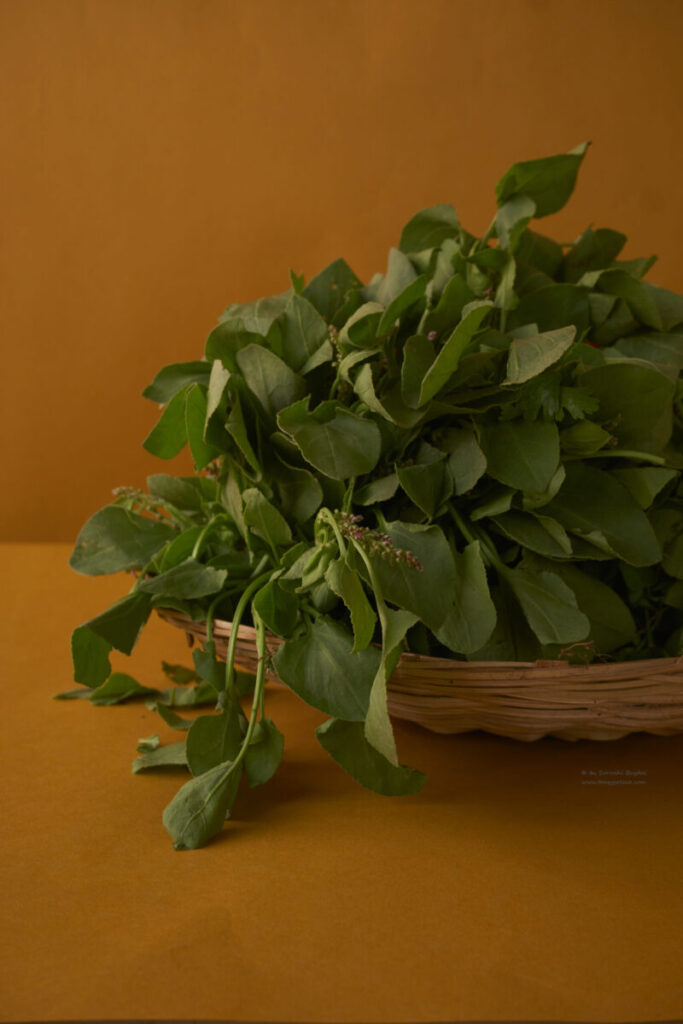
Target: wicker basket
{"x":521,"y":700}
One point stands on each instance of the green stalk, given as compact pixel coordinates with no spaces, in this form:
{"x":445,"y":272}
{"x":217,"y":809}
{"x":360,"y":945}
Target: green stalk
{"x":324,"y":515}
{"x":624,"y":453}
{"x":234,"y":629}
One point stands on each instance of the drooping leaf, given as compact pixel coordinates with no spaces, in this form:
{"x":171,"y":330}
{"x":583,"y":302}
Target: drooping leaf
{"x":345,"y":742}
{"x":264,"y":753}
{"x":214,"y":739}
{"x":119,"y":687}
{"x":120,"y":625}
{"x":189,"y":579}
{"x":347,"y":584}
{"x":90,"y":655}
{"x":549,"y":606}
{"x":197,"y":811}
{"x":264,"y":519}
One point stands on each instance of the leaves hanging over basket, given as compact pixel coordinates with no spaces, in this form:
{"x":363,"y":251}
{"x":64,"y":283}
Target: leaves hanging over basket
{"x":475,"y":455}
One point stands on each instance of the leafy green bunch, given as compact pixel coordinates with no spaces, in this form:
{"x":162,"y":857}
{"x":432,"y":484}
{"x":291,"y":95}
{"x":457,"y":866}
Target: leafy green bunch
{"x":475,"y":455}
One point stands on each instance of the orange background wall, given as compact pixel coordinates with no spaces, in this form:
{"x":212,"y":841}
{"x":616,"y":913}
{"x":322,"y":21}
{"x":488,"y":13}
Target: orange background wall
{"x":161,"y":158}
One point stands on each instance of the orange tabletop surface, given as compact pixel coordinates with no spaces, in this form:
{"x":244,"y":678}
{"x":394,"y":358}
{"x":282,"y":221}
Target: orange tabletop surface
{"x":506,"y":891}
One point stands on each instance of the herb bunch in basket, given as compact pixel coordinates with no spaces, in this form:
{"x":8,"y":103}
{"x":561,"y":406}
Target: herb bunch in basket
{"x":477,"y":455}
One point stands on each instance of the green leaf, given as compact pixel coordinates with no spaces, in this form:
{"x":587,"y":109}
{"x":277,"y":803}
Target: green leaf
{"x":537,"y":533}
{"x":179,"y":549}
{"x":195,"y":420}
{"x":332,"y":439}
{"x":635,"y":401}
{"x":644,"y":482}
{"x":273,"y":383}
{"x":237,"y":429}
{"x":593,"y":500}
{"x":549,"y":181}
{"x":190,"y":579}
{"x":169,"y":436}
{"x":303,"y":331}
{"x":472,"y":615}
{"x":264,"y":519}
{"x":558,"y":305}
{"x":429,"y":228}
{"x":115,"y":540}
{"x":345,"y":742}
{"x":635,"y":293}
{"x":347,"y":584}
{"x":664,"y":350}
{"x":448,"y":357}
{"x":208,"y":666}
{"x":360,"y":330}
{"x":169,"y":716}
{"x":276,"y":607}
{"x":264,"y":753}
{"x":120,"y":625}
{"x":179,"y":674}
{"x":669,"y":305}
{"x":418,"y":356}
{"x":378,"y":729}
{"x":611,"y":622}
{"x":408,"y":588}
{"x":529,"y":356}
{"x":214,"y":739}
{"x":324,"y":671}
{"x":583,"y":438}
{"x":522,"y":455}
{"x":90,"y":654}
{"x":466,"y":461}
{"x":119,"y":687}
{"x":176,"y":377}
{"x":428,"y":485}
{"x":329,"y":289}
{"x":256,"y":317}
{"x":187,"y":696}
{"x":448,"y":311}
{"x":593,"y":250}
{"x":181,"y":492}
{"x":400,"y":273}
{"x":299,"y":493}
{"x":411,"y":296}
{"x":171,"y":755}
{"x":549,"y":605}
{"x":668,"y":526}
{"x":197,"y":811}
{"x":512,"y":218}
{"x":376,"y":491}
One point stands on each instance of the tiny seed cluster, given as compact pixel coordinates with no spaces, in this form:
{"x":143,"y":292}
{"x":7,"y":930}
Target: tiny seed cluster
{"x":374,"y":542}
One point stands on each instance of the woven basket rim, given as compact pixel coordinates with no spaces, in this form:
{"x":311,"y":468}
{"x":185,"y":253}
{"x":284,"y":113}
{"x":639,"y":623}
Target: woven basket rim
{"x":602,"y":669}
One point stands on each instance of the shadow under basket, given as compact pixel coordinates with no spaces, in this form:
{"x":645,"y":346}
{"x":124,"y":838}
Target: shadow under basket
{"x":521,"y":700}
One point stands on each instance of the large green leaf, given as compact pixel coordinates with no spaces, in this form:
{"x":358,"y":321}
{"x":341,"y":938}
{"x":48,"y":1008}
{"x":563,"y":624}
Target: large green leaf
{"x":188,"y":579}
{"x":549,"y":181}
{"x":303,"y":331}
{"x":448,"y":357}
{"x":591,"y":500}
{"x":174,"y":378}
{"x":328,"y":290}
{"x":472,"y":615}
{"x":557,"y":305}
{"x":530,"y":355}
{"x":121,"y":624}
{"x":323,"y":670}
{"x":423,"y":592}
{"x":332,"y":439}
{"x":635,"y":401}
{"x":345,"y":742}
{"x":195,"y":422}
{"x":466,"y":461}
{"x":549,"y":605}
{"x":214,"y":739}
{"x":168,"y":437}
{"x":429,"y":228}
{"x":264,"y":518}
{"x":520,"y":454}
{"x":90,"y":655}
{"x":115,"y":539}
{"x":274,"y":383}
{"x":347,"y":584}
{"x":197,"y":811}
{"x":264,"y":752}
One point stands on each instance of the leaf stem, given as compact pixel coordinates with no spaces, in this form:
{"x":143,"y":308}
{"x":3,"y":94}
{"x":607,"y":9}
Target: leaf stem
{"x":325,"y":515}
{"x":234,"y":628}
{"x":622,"y":453}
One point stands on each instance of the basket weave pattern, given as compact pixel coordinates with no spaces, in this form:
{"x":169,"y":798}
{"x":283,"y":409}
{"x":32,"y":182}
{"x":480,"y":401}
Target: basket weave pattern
{"x":521,"y":700}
